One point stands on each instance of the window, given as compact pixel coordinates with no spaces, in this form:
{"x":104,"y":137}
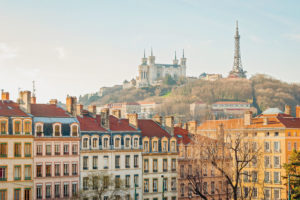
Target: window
{"x":74,"y":130}
{"x":276,"y":177}
{"x":213,"y":171}
{"x":136,"y":161}
{"x":17,"y":172}
{"x":48,"y":169}
{"x":17,"y":194}
{"x":74,"y":169}
{"x":136,"y":180}
{"x":74,"y":189}
{"x":27,"y":192}
{"x":39,"y":130}
{"x":136,"y":142}
{"x":277,"y":146}
{"x":165,"y":184}
{"x":39,"y":170}
{"x":254,"y":192}
{"x":3,"y":194}
{"x":155,"y":166}
{"x":39,"y":150}
{"x":182,"y":189}
{"x":267,"y":161}
{"x":95,"y":183}
{"x":164,"y":146}
{"x":155,"y":147}
{"x":205,"y":188}
{"x":289,"y":146}
{"x":117,"y":181}
{"x":127,"y":161}
{"x":48,"y":149}
{"x":276,"y":194}
{"x":27,"y":172}
{"x":127,"y":181}
{"x":204,"y":170}
{"x":190,"y":192}
{"x":95,"y":162}
{"x":267,"y":177}
{"x":57,"y":190}
{"x":105,"y":143}
{"x":74,"y":149}
{"x":146,"y":146}
{"x":48,"y":191}
{"x":127,"y":142}
{"x":155,"y":184}
{"x":17,"y":126}
{"x":173,"y":146}
{"x":27,"y":128}
{"x":254,"y":176}
{"x":181,"y":171}
{"x":246,"y":176}
{"x":277,"y":161}
{"x":85,"y":183}
{"x":56,"y":130}
{"x":17,"y":149}
{"x":267,"y":193}
{"x":295,"y":145}
{"x":3,"y":150}
{"x":57,"y":169}
{"x":105,"y":162}
{"x":173,"y":184}
{"x":39,"y":191}
{"x":105,"y":182}
{"x":267,"y":146}
{"x":27,"y":149}
{"x":165,"y":165}
{"x":95,"y":143}
{"x":3,"y":127}
{"x":117,"y":142}
{"x":66,"y":149}
{"x":57,"y":149}
{"x":146,"y":185}
{"x":66,"y":189}
{"x":85,"y":143}
{"x":66,"y":169}
{"x":254,"y":161}
{"x":146,"y":165}
{"x":117,"y":161}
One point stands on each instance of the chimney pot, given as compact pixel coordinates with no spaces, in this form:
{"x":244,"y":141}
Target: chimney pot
{"x":105,"y":118}
{"x":92,"y":109}
{"x":71,"y":105}
{"x":157,"y":119}
{"x":287,"y":110}
{"x":5,"y":95}
{"x":192,"y":127}
{"x":133,"y":119}
{"x":25,"y":101}
{"x":53,"y":101}
{"x":298,"y":111}
{"x":169,"y":123}
{"x":79,"y":108}
{"x":116,"y":113}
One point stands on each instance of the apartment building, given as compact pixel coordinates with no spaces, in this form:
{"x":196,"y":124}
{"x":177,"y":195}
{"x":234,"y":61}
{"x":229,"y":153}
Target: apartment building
{"x":16,"y":158}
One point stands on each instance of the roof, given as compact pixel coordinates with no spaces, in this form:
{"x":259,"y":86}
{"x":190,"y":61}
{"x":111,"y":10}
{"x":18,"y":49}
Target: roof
{"x":182,"y":135}
{"x":117,"y":124}
{"x":9,"y":108}
{"x":230,"y":102}
{"x":150,"y":128}
{"x":48,"y":110}
{"x":88,"y":123}
{"x":271,"y":111}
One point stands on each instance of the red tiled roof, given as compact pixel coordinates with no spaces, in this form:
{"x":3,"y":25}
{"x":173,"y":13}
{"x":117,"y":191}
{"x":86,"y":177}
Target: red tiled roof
{"x":48,"y":110}
{"x":182,"y":135}
{"x":10,"y":108}
{"x":116,"y":124}
{"x":150,"y":128}
{"x":88,"y":123}
{"x":230,"y":102}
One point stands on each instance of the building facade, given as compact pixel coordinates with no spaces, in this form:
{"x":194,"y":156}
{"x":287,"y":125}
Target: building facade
{"x":16,"y":153}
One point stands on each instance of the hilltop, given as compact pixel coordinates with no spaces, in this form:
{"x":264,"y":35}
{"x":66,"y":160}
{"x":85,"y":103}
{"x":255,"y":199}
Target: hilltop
{"x":262,"y":91}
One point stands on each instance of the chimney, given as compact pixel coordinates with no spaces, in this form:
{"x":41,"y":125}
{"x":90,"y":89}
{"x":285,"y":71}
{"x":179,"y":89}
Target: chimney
{"x":79,"y":108}
{"x":178,"y":125}
{"x":133,"y":119}
{"x":71,"y":105}
{"x":105,"y":118}
{"x":247,"y":118}
{"x":185,"y":126}
{"x":25,"y":101}
{"x":158,"y":119}
{"x":33,"y":100}
{"x":287,"y":110}
{"x":169,"y":123}
{"x":265,"y":121}
{"x":298,"y":111}
{"x":192,"y":127}
{"x":53,"y":101}
{"x":5,"y":95}
{"x":92,"y":109}
{"x":116,"y":113}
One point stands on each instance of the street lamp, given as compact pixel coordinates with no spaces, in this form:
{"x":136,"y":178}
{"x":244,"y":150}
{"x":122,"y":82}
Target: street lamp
{"x":163,"y":187}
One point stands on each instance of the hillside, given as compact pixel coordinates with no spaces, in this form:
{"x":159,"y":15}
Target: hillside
{"x":261,"y":90}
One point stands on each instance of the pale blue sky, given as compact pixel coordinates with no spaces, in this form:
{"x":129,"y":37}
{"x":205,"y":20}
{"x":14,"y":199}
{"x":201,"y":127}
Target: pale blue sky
{"x":75,"y":47}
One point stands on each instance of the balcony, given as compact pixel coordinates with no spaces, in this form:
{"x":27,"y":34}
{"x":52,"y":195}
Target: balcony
{"x":28,"y":155}
{"x":27,"y":178}
{"x":17,"y":155}
{"x":57,"y":174}
{"x":66,"y":153}
{"x":48,"y":174}
{"x":3,"y":155}
{"x":39,"y":153}
{"x":3,"y":179}
{"x":17,"y":178}
{"x":57,"y":153}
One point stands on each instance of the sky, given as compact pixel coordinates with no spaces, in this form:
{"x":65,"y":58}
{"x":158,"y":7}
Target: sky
{"x":72,"y":47}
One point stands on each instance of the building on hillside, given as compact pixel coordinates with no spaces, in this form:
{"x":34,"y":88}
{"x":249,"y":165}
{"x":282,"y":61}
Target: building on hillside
{"x":231,"y":109}
{"x":150,"y":73}
{"x":193,"y":166}
{"x":210,"y":77}
{"x":129,"y":84}
{"x":56,"y":150}
{"x":159,"y":159}
{"x":198,"y":107}
{"x":110,"y":146}
{"x":276,"y":133}
{"x":16,"y":151}
{"x":147,"y":109}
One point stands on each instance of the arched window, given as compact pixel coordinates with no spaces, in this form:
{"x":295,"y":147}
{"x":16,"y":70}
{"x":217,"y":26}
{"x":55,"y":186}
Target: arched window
{"x":39,"y":130}
{"x":85,"y":143}
{"x":17,"y":126}
{"x":27,"y":127}
{"x":3,"y":127}
{"x":105,"y":143}
{"x":117,"y":142}
{"x":127,"y":142}
{"x":57,"y":130}
{"x":74,"y":130}
{"x":173,"y":146}
{"x":95,"y":142}
{"x":136,"y":142}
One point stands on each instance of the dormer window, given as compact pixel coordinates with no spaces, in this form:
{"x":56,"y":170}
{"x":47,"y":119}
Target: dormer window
{"x":17,"y":127}
{"x":57,"y":130}
{"x":85,"y":143}
{"x":39,"y":130}
{"x":3,"y":127}
{"x":155,"y":147}
{"x":127,"y":142}
{"x":95,"y":143}
{"x":105,"y":143}
{"x":74,"y":129}
{"x":165,"y":148}
{"x":146,"y":146}
{"x":173,"y":146}
{"x":136,"y":142}
{"x":117,"y":142}
{"x":27,"y":127}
